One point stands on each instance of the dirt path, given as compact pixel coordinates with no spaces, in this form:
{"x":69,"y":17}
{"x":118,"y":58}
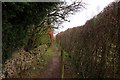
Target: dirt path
{"x":54,"y":67}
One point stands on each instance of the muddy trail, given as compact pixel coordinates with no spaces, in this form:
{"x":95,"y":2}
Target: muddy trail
{"x":53,"y":69}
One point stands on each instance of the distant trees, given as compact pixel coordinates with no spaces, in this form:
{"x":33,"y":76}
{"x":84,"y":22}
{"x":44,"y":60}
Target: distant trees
{"x":94,"y":47}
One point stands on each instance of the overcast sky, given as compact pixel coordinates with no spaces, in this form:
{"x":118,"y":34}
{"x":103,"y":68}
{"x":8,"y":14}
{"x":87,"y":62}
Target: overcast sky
{"x":93,"y":7}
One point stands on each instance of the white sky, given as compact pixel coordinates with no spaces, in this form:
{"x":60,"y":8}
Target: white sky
{"x":93,"y":7}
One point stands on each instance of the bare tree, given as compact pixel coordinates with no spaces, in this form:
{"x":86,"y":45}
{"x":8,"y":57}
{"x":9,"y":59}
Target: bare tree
{"x":63,"y":10}
{"x":59,"y":14}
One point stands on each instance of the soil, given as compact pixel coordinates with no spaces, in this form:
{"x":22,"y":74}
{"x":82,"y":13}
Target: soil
{"x":54,"y":67}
